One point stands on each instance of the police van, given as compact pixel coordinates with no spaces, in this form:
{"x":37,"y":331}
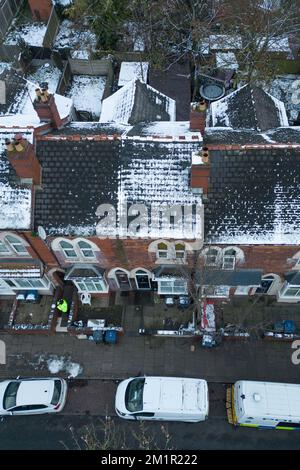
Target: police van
{"x":264,"y":405}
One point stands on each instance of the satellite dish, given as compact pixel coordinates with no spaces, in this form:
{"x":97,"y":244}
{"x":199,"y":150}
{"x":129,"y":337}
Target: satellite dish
{"x":42,"y":232}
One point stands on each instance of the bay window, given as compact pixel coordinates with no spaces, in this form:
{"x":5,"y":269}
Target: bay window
{"x":172,"y":286}
{"x":91,"y":285}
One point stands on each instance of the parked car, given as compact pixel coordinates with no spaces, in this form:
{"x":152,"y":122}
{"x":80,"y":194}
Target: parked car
{"x":162,"y":398}
{"x":32,"y":396}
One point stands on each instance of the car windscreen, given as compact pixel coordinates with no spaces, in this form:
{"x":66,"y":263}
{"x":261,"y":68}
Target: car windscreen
{"x":10,"y":395}
{"x":134,"y":395}
{"x":56,"y":393}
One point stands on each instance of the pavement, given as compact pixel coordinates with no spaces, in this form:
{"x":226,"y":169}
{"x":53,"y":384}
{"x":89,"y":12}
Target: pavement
{"x":67,"y":356}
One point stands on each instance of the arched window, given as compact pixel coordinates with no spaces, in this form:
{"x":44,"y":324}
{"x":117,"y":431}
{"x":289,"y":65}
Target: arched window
{"x":16,"y":244}
{"x":162,"y":250}
{"x":180,"y":250}
{"x":86,"y":249}
{"x":68,"y":249}
{"x":229,"y":259}
{"x":211,"y":257}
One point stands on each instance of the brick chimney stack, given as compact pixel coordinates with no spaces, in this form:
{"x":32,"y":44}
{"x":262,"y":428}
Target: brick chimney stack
{"x":200,"y":171}
{"x":40,"y":9}
{"x":45,"y":106}
{"x":198,"y":116}
{"x":21,"y":155}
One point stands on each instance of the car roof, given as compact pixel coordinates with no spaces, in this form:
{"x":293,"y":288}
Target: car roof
{"x":35,"y":392}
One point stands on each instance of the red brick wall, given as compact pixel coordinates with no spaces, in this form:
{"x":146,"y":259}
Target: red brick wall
{"x":130,"y":254}
{"x":271,"y":259}
{"x":25,"y":163}
{"x":40,"y":9}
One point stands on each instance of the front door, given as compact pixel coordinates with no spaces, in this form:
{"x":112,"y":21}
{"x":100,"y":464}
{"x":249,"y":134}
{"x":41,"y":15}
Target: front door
{"x":123,"y":280}
{"x":142,"y":280}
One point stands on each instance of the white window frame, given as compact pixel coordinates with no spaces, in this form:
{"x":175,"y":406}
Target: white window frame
{"x":165,"y":251}
{"x":63,"y":249}
{"x":44,"y":281}
{"x":286,"y":288}
{"x":226,"y":259}
{"x":85,"y":249}
{"x":100,"y":280}
{"x":216,"y":291}
{"x":172,"y":290}
{"x":15,"y":243}
{"x":183,"y":252}
{"x":7,"y":250}
{"x":242,"y":290}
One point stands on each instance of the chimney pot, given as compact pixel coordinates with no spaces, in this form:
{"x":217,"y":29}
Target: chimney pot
{"x":44,"y":98}
{"x":21,"y":155}
{"x":19,"y":147}
{"x":202,"y":105}
{"x":38,"y":94}
{"x":9,"y":145}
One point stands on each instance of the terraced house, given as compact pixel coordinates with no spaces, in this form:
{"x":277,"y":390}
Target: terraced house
{"x":141,"y":202}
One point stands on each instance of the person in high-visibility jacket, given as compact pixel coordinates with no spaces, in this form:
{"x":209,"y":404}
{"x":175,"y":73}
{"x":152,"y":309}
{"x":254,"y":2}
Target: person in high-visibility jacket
{"x":62,"y":305}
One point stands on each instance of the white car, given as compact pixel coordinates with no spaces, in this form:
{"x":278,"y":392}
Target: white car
{"x":163,"y":398}
{"x":32,"y":396}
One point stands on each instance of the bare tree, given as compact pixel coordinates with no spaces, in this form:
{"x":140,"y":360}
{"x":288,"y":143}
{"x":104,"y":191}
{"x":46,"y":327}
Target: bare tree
{"x":262,"y":31}
{"x":109,"y":435}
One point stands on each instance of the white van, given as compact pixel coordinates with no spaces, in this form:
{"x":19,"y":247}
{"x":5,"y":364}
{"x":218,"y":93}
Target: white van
{"x":162,"y":398}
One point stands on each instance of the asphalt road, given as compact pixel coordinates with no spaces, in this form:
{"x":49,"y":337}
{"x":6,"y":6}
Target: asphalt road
{"x":90,"y":401}
{"x":63,"y":432}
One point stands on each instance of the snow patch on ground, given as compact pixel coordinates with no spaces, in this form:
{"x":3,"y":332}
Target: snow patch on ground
{"x":69,"y":36}
{"x":56,"y":364}
{"x":32,"y":33}
{"x":86,"y":92}
{"x":46,"y":73}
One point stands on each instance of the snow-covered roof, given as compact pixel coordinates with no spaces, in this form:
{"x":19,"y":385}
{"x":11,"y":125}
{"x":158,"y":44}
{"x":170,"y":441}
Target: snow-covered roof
{"x":116,"y":170}
{"x":133,"y":70}
{"x":225,"y":42}
{"x":275,"y":44}
{"x":248,"y":108}
{"x":254,"y":195}
{"x":166,"y":130}
{"x":20,"y":94}
{"x":46,"y":72}
{"x":15,"y":199}
{"x":226,"y":60}
{"x":137,"y":102}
